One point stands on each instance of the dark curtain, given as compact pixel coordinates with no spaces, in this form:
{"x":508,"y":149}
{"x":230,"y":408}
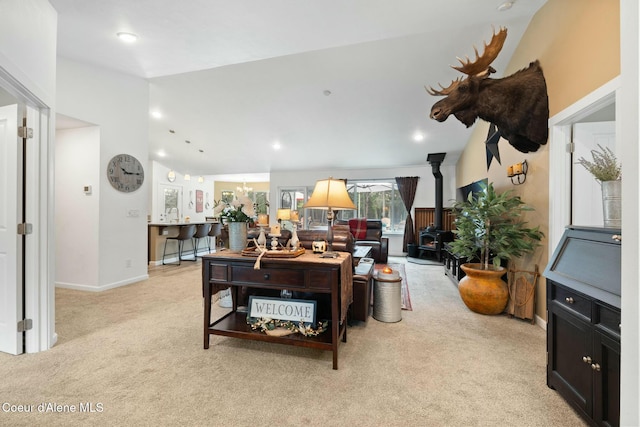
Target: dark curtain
{"x":407,"y":187}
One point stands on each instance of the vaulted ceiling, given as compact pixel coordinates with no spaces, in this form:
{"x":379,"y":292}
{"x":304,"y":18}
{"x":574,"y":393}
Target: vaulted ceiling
{"x":336,"y":83}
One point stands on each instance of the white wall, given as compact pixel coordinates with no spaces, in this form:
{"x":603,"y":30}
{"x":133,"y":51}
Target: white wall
{"x":627,"y":111}
{"x":425,"y":193}
{"x":28,"y":45}
{"x":77,"y":215}
{"x":118,"y":103}
{"x":188,"y":189}
{"x":28,"y":54}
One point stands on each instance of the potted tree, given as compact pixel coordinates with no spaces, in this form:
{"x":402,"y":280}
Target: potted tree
{"x":489,"y":226}
{"x":608,"y":172}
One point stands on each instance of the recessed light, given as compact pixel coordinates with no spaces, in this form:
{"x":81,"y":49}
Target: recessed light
{"x":162,"y":153}
{"x":201,"y":150}
{"x":156,"y":114}
{"x":187,"y":141}
{"x":276,"y":145}
{"x":327,"y":92}
{"x":418,"y":137}
{"x":172,"y":131}
{"x":127,"y":37}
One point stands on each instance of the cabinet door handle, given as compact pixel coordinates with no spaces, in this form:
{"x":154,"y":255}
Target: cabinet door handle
{"x":586,"y":359}
{"x":595,"y":367}
{"x":569,"y":300}
{"x":617,"y":237}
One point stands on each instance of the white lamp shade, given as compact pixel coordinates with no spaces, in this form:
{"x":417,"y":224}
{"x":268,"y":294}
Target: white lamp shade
{"x":330,"y":194}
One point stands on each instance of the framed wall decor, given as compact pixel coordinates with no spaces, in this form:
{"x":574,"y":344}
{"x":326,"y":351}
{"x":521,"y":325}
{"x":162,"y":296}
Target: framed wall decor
{"x":198,"y":201}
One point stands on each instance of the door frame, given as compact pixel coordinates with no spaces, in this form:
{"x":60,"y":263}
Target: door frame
{"x":560,"y":127}
{"x":39,"y":259}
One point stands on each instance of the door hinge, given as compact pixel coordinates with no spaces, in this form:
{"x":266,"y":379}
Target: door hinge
{"x":571,"y":147}
{"x":25,"y":132}
{"x":25,"y":228}
{"x":25,"y":325}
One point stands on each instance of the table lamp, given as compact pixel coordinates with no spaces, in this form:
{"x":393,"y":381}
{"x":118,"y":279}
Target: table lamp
{"x":330,"y":194}
{"x":283,"y":215}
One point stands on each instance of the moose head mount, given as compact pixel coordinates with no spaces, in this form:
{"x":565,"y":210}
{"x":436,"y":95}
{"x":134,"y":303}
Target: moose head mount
{"x":518,"y":104}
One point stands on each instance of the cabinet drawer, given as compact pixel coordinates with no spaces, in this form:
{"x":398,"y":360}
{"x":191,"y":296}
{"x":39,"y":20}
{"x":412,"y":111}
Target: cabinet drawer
{"x":609,"y":319}
{"x":268,"y":276}
{"x":218,"y":272}
{"x":572,"y":300}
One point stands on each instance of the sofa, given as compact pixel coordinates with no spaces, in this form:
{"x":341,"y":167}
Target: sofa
{"x":368,"y":232}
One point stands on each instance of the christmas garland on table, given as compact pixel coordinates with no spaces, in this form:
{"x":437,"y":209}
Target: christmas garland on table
{"x":286,"y":327}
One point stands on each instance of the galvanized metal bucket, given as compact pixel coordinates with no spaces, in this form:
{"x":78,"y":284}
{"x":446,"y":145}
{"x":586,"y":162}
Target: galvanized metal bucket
{"x":387,"y":300}
{"x":237,"y":236}
{"x":612,"y":203}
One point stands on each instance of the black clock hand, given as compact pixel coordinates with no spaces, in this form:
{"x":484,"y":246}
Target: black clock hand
{"x":126,"y":172}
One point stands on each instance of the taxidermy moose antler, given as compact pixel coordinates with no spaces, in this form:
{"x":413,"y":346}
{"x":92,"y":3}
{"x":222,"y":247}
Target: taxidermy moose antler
{"x":518,"y":104}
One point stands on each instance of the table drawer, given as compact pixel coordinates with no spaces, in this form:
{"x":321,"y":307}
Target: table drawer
{"x":322,"y":279}
{"x":268,"y":276}
{"x":218,"y":272}
{"x":572,"y":300}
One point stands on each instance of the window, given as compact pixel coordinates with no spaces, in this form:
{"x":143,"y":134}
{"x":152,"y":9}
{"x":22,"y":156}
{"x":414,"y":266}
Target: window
{"x":377,"y":199}
{"x":374,"y":199}
{"x":260,"y":201}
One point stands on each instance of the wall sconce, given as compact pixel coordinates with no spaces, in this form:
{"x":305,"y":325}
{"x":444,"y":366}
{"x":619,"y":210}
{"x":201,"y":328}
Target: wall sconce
{"x":187,"y":177}
{"x":201,"y":179}
{"x":519,"y":172}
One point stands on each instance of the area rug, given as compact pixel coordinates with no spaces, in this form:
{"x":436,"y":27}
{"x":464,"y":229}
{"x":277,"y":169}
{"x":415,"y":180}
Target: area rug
{"x":406,"y":298}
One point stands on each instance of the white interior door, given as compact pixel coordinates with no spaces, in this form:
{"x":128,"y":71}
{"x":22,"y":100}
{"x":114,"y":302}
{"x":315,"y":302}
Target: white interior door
{"x":10,"y":242}
{"x":586,"y":195}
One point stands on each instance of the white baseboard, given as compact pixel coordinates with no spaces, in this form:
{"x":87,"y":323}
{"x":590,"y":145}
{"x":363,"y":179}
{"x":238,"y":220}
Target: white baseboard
{"x":81,"y":287}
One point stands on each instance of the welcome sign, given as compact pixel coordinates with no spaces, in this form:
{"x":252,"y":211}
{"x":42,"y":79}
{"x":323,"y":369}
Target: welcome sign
{"x":295,"y":310}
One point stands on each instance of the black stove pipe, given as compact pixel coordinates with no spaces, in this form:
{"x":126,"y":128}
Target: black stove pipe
{"x":435,"y":159}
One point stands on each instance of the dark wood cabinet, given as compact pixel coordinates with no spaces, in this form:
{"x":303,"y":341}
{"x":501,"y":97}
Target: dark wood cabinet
{"x":583,"y":329}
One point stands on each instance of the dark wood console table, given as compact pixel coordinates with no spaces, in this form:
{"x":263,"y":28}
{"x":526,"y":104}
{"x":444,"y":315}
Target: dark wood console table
{"x":306,"y":273}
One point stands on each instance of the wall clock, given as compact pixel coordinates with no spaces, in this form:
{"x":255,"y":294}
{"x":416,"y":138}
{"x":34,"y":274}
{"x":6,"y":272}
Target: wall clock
{"x":125,"y":173}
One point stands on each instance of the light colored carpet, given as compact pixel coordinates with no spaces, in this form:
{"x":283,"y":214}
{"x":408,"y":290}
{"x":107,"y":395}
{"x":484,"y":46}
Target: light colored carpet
{"x":137,"y":350}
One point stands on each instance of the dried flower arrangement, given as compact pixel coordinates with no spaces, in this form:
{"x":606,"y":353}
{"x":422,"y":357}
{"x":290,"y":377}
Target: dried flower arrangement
{"x":604,"y":167}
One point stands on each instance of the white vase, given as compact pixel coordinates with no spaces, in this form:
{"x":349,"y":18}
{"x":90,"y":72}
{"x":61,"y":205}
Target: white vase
{"x":237,"y":236}
{"x":612,"y":203}
{"x":295,"y":241}
{"x":262,"y":238}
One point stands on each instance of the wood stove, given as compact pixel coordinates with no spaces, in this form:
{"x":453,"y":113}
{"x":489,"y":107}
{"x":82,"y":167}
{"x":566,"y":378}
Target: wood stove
{"x":433,"y":238}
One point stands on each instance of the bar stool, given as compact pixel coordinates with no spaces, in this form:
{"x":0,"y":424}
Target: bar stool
{"x":186,"y":233}
{"x":215,"y":232}
{"x":202,"y":231}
